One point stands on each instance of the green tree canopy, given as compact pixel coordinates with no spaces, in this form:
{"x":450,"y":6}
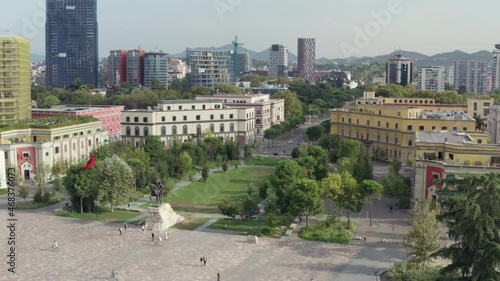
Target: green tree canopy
{"x":305,"y":199}
{"x":115,"y":181}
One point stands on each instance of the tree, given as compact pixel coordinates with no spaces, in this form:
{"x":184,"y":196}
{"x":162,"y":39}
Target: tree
{"x":308,"y":163}
{"x":204,"y":173}
{"x":472,"y":210}
{"x":248,"y":152}
{"x":201,"y":91}
{"x":115,"y":179}
{"x":314,"y":133}
{"x":270,"y":134}
{"x":299,"y":152}
{"x":185,"y":164}
{"x":226,"y":88}
{"x":23,"y":191}
{"x":396,"y":186}
{"x":249,"y":207}
{"x":228,"y":209}
{"x":49,"y":101}
{"x":372,"y":190}
{"x":350,"y":148}
{"x":225,"y":166}
{"x":41,"y":194}
{"x":423,"y":237}
{"x":81,"y":185}
{"x":285,"y":175}
{"x":342,"y":189}
{"x":293,"y":106}
{"x":305,"y":198}
{"x":363,"y":167}
{"x":153,"y":147}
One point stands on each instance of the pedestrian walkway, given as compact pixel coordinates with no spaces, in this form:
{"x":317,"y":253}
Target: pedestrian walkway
{"x":205,"y":225}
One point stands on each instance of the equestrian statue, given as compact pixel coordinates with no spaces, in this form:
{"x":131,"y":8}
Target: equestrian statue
{"x":157,"y":190}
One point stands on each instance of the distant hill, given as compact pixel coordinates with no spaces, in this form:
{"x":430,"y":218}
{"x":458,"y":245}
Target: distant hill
{"x":37,"y":58}
{"x":260,"y":56}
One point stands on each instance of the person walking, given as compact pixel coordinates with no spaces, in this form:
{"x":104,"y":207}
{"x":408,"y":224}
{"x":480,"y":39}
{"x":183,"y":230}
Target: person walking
{"x":390,"y":208}
{"x":120,"y":229}
{"x":218,"y":276}
{"x":152,"y":237}
{"x":366,"y":214}
{"x":143,"y":228}
{"x":201,"y":261}
{"x":125,"y":226}
{"x":205,"y":261}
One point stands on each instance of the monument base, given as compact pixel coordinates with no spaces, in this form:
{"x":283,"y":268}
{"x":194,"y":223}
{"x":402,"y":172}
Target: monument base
{"x":161,"y":218}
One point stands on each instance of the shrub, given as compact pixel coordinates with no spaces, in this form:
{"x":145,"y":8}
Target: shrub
{"x":63,"y":213}
{"x":266,"y":231}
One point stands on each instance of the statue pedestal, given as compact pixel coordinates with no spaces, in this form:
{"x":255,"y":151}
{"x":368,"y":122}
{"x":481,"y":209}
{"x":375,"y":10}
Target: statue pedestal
{"x":161,"y":218}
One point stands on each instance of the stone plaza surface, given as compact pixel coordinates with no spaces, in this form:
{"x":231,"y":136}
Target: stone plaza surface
{"x":90,"y":250}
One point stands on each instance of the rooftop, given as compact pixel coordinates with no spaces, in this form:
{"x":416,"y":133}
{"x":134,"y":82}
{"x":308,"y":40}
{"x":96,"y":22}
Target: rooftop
{"x":66,"y":108}
{"x":446,"y":115}
{"x":443,"y":137}
{"x":56,"y":121}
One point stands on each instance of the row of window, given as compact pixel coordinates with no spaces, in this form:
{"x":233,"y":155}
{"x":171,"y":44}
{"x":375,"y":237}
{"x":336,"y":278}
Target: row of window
{"x":185,"y":130}
{"x":56,"y":149}
{"x":408,"y":128}
{"x":184,"y":118}
{"x":76,"y":134}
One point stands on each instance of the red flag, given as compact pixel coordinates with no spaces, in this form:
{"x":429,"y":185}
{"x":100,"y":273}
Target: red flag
{"x":90,"y":163}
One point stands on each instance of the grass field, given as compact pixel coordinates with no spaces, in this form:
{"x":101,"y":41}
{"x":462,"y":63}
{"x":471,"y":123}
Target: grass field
{"x":335,"y":233}
{"x":4,"y":191}
{"x":203,"y":197}
{"x":263,"y":161}
{"x":30,"y":205}
{"x":191,"y":223}
{"x":251,"y":227}
{"x":103,"y":215}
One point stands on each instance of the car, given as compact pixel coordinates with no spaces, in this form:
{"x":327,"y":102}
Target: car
{"x":275,"y":153}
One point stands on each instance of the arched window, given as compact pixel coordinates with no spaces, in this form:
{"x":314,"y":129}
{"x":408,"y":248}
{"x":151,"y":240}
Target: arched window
{"x":410,"y":142}
{"x":146,"y":131}
{"x":198,"y":130}
{"x":258,"y":121}
{"x":127,"y":131}
{"x":396,"y":140}
{"x":137,"y":131}
{"x":174,"y":130}
{"x":212,"y":128}
{"x":231,"y":127}
{"x":185,"y":130}
{"x":222,"y":127}
{"x":163,"y":130}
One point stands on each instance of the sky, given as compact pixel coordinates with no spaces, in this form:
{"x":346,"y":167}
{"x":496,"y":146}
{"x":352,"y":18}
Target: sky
{"x":342,"y":28}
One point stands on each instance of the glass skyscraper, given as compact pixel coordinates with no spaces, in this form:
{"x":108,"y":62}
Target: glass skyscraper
{"x":71,"y":42}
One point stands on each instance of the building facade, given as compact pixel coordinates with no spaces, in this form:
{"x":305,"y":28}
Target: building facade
{"x":399,"y":71}
{"x":431,"y":78}
{"x":244,"y":62}
{"x":470,"y":76}
{"x":117,"y":67}
{"x":176,"y":70}
{"x":495,"y":73}
{"x":155,"y":69}
{"x":188,"y":120}
{"x":135,"y":68}
{"x":209,"y":67}
{"x":15,"y":77}
{"x":306,"y":58}
{"x":278,"y":61}
{"x":493,"y":121}
{"x":28,"y":149}
{"x":71,"y":42}
{"x":109,"y":115}
{"x":268,"y":112}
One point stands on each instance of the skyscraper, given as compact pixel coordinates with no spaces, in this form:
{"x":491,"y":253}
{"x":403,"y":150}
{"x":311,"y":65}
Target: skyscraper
{"x":209,"y":67}
{"x":496,"y":68}
{"x":471,"y":76}
{"x":155,"y":69}
{"x":135,"y":68}
{"x":306,"y":58}
{"x":278,"y":61}
{"x":117,"y":67}
{"x":431,"y":78}
{"x":15,"y":74}
{"x":71,"y":42}
{"x":399,"y":71}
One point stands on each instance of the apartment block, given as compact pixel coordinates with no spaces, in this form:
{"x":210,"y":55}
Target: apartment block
{"x":471,"y":76}
{"x":209,"y":67}
{"x":431,"y":78}
{"x":117,"y":67}
{"x":278,"y":61}
{"x":155,"y":69}
{"x":399,"y":71}
{"x":495,"y":73}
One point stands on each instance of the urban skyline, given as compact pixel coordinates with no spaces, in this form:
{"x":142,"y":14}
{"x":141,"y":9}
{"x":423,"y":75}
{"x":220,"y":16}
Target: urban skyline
{"x":334,"y":25}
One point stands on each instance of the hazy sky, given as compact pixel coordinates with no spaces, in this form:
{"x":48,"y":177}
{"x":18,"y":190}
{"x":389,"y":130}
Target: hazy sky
{"x":426,"y":26}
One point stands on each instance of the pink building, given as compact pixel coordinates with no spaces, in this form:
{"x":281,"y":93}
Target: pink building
{"x":109,"y":115}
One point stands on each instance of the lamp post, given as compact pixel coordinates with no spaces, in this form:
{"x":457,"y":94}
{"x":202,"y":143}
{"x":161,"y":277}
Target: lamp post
{"x":259,"y":218}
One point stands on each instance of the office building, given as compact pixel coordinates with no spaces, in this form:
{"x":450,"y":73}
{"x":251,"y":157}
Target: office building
{"x":431,"y":78}
{"x":278,"y":61}
{"x":306,"y":58}
{"x":496,"y":68}
{"x":450,"y":75}
{"x":399,"y":71}
{"x":71,"y":42}
{"x":188,"y":120}
{"x":117,"y":67}
{"x":135,"y":68}
{"x":209,"y":67}
{"x":155,"y":69}
{"x":15,"y":77}
{"x":493,"y":121}
{"x":471,"y":76}
{"x":244,"y":62}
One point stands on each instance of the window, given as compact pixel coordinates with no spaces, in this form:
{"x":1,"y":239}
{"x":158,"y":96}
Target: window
{"x":90,"y":142}
{"x":198,"y":117}
{"x":180,"y":107}
{"x":211,"y":117}
{"x":479,"y":141}
{"x":185,"y":130}
{"x":174,"y":130}
{"x":145,"y":119}
{"x":386,"y":138}
{"x":387,"y":124}
{"x":444,"y":128}
{"x":464,"y":128}
{"x":399,"y":114}
{"x":451,"y":156}
{"x":380,"y":112}
{"x":203,"y":106}
{"x":433,"y":128}
{"x":163,"y":119}
{"x":75,"y":134}
{"x":163,"y":130}
{"x":378,"y":137}
{"x":435,"y":176}
{"x":193,"y":107}
{"x":421,"y":128}
{"x":57,"y":149}
{"x":185,"y":118}
{"x":231,"y":127}
{"x":146,"y":131}
{"x":26,"y":155}
{"x":378,"y":123}
{"x":137,"y":131}
{"x":222,"y":127}
{"x":475,"y":106}
{"x":127,"y":131}
{"x":343,"y":120}
{"x":410,"y":128}
{"x":410,"y":142}
{"x":349,"y":120}
{"x":198,"y":130}
{"x":455,"y":128}
{"x":168,"y":107}
{"x":65,"y":148}
{"x":396,"y":125}
{"x":368,"y":122}
{"x":212,"y":128}
{"x":174,"y":118}
{"x":127,"y":118}
{"x":136,"y":119}
{"x":222,"y":116}
{"x":396,"y":140}
{"x":231,"y":116}
{"x":357,"y":121}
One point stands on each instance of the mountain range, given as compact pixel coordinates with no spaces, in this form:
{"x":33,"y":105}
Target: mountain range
{"x":442,"y":59}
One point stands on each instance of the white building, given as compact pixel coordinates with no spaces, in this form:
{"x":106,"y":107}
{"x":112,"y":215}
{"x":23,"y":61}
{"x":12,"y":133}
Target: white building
{"x":496,"y":68}
{"x":188,"y":120}
{"x":176,"y":70}
{"x":431,"y":78}
{"x":209,"y":67}
{"x":268,"y":112}
{"x":471,"y":76}
{"x":278,"y":61}
{"x":450,"y":75}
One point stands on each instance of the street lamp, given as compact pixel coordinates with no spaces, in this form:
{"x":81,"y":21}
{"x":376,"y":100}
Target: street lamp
{"x":259,"y":217}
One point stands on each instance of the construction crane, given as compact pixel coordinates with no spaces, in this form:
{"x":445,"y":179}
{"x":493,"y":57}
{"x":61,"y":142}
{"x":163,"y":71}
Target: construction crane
{"x":235,"y":60}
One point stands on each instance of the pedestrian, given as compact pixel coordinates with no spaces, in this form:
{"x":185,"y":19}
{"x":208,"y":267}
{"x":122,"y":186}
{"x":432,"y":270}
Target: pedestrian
{"x":366,"y":214}
{"x":143,"y":228}
{"x":201,"y":261}
{"x":125,"y":226}
{"x":364,"y":239}
{"x":396,"y":206}
{"x":390,"y":208}
{"x":218,"y":276}
{"x":120,"y":229}
{"x":393,"y":228}
{"x":205,"y":261}
{"x":152,"y":237}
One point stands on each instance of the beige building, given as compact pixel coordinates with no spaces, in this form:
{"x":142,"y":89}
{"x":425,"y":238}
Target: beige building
{"x":481,"y":108}
{"x":188,"y":120}
{"x":268,"y":112}
{"x":30,"y":146}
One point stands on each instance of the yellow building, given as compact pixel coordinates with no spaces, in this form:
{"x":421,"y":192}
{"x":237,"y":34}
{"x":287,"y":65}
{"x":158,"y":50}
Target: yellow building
{"x":15,"y":88}
{"x":391,"y":128}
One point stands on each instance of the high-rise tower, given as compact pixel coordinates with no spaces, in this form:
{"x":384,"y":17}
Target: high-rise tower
{"x":306,"y":58}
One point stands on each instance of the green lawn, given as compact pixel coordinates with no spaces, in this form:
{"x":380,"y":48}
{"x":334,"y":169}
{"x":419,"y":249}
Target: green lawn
{"x":251,"y":227}
{"x":4,"y":191}
{"x":263,"y":161}
{"x":191,"y":223}
{"x":335,"y":233}
{"x":203,"y":197}
{"x":30,"y":205}
{"x":103,"y":215}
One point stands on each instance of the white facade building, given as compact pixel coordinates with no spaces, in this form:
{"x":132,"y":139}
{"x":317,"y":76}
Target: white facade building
{"x":278,"y":61}
{"x":471,"y":76}
{"x":188,"y":120}
{"x":496,"y":68}
{"x":431,"y":78}
{"x":209,"y":67}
